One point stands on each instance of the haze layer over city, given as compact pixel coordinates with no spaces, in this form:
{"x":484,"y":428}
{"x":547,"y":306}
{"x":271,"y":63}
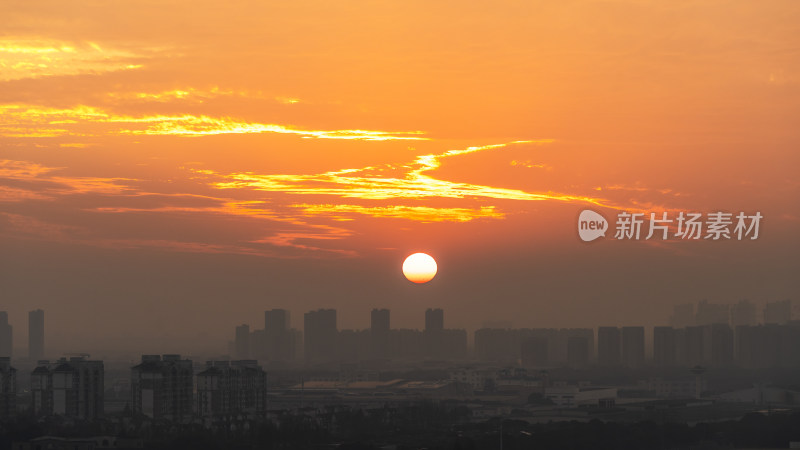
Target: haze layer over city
{"x":161,"y":187}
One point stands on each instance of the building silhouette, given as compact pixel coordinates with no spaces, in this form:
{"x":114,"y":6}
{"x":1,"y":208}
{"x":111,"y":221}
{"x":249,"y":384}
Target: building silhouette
{"x":497,"y":344}
{"x":719,"y":344}
{"x":633,"y":347}
{"x":354,"y":345}
{"x":608,"y":346}
{"x":242,"y":342}
{"x":578,"y":351}
{"x":682,"y":316}
{"x":320,"y":335}
{"x":434,"y":319}
{"x":664,"y":347}
{"x":281,"y":339}
{"x":693,"y":344}
{"x":406,"y":344}
{"x":433,"y":334}
{"x":711,"y":313}
{"x":6,"y":336}
{"x":42,"y":390}
{"x":231,"y":388}
{"x":533,"y":352}
{"x":36,"y":334}
{"x":743,"y":314}
{"x":379,"y":330}
{"x":778,"y":312}
{"x":162,"y":387}
{"x":70,"y":388}
{"x":768,"y":346}
{"x":8,"y":388}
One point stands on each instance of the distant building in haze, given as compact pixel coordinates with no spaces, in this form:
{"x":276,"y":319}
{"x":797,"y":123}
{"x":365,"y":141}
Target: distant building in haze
{"x":664,"y":347}
{"x":718,"y":343}
{"x":406,"y":344}
{"x":712,"y":313}
{"x":162,"y":388}
{"x":281,"y":340}
{"x":276,"y":320}
{"x":231,"y":388}
{"x":778,"y":312}
{"x":578,"y":351}
{"x":497,"y":344}
{"x":743,"y":314}
{"x":693,"y":353}
{"x":70,"y":388}
{"x":379,"y":330}
{"x":320,"y":335}
{"x":682,"y":316}
{"x":6,"y":336}
{"x":8,"y":388}
{"x":608,"y":346}
{"x":242,"y":342}
{"x":633,"y":347}
{"x":533,"y":352}
{"x":434,"y":319}
{"x":433,"y":334}
{"x":36,"y":334}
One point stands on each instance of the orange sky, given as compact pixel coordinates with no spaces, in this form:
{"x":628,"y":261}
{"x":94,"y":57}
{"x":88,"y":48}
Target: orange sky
{"x":229,"y":158}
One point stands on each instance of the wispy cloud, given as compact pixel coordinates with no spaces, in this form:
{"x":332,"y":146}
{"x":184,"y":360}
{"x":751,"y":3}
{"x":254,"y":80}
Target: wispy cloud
{"x":415,"y":213}
{"x":411,"y":181}
{"x":37,"y":121}
{"x":36,"y":58}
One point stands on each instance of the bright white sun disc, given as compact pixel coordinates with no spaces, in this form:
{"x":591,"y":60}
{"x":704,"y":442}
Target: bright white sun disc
{"x":419,"y":268}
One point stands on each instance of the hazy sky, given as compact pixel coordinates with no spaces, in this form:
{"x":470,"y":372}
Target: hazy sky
{"x":175,"y":168}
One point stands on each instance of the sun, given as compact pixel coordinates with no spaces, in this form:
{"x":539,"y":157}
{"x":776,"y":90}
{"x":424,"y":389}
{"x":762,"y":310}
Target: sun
{"x":419,"y":268}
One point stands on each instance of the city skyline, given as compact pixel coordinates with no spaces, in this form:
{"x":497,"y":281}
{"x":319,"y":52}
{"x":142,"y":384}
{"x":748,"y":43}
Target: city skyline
{"x":399,"y":225}
{"x":287,"y":156}
{"x":275,"y":334}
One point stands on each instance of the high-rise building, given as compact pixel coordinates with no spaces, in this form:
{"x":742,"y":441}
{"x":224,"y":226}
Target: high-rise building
{"x":718,"y":341}
{"x":682,"y":316}
{"x":433,"y":335}
{"x":320,"y":335}
{"x":434,"y":319}
{"x":711,"y":313}
{"x":694,"y":346}
{"x":633,"y":346}
{"x":757,"y":346}
{"x":8,"y":388}
{"x":454,"y":343}
{"x":497,"y":344}
{"x":161,"y":388}
{"x":6,"y":336}
{"x":276,"y":320}
{"x":258,"y":344}
{"x":242,"y":342}
{"x":406,"y":344}
{"x":281,"y":343}
{"x":608,"y":346}
{"x":353,"y":345}
{"x":559,"y":353}
{"x":533,"y":352}
{"x":42,"y":390}
{"x":743,"y":314}
{"x":70,"y":388}
{"x":379,"y":333}
{"x":778,"y":312}
{"x":36,"y":334}
{"x":235,"y":387}
{"x":664,"y":347}
{"x":578,"y":351}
